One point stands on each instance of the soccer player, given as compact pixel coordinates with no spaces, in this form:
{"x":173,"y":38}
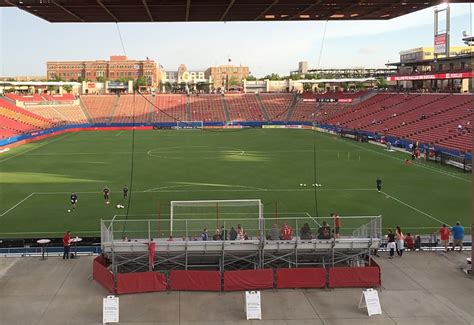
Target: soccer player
{"x":73,"y":200}
{"x":379,"y":184}
{"x":125,"y":192}
{"x":106,"y":192}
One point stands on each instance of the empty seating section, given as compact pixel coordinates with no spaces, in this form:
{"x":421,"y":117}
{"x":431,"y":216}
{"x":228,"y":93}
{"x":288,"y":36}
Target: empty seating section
{"x":243,"y":107}
{"x":64,"y":114}
{"x":16,"y":127}
{"x":99,"y":107}
{"x":172,"y":107}
{"x":132,"y":108}
{"x":276,"y":105}
{"x":207,"y":108}
{"x":42,"y":97}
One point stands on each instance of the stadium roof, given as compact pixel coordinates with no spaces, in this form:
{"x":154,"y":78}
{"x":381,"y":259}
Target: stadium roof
{"x":76,"y":11}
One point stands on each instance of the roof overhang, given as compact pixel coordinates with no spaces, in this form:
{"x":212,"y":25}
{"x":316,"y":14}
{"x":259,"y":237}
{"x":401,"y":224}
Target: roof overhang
{"x":93,"y":11}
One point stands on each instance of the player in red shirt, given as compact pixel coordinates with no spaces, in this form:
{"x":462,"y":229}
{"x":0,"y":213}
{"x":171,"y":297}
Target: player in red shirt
{"x":409,"y":242}
{"x":444,"y":235}
{"x":286,"y":232}
{"x":66,"y":244}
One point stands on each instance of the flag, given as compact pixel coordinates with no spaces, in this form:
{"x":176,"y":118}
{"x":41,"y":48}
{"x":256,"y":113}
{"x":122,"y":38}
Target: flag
{"x":229,"y":60}
{"x":147,"y":58}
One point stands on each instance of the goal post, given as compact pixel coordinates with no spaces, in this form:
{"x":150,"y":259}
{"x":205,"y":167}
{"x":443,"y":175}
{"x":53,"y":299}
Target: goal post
{"x":185,"y":125}
{"x":194,"y":216}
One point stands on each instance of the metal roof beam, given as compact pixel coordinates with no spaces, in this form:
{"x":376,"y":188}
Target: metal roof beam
{"x":108,"y":11}
{"x":266,"y":10}
{"x":147,"y":10}
{"x":231,"y":3}
{"x":68,"y":11}
{"x":317,"y":3}
{"x":188,"y":7}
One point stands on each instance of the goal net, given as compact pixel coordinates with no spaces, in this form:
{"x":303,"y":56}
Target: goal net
{"x":189,"y":218}
{"x":185,"y":125}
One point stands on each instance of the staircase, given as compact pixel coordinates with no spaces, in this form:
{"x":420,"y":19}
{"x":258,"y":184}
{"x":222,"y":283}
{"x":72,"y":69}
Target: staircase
{"x":84,"y":110}
{"x":291,"y":108}
{"x":114,"y":108}
{"x":262,"y":108}
{"x":226,"y":110}
{"x":151,"y":109}
{"x":189,"y":116}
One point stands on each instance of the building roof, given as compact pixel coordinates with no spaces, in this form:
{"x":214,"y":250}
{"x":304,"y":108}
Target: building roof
{"x":57,"y":11}
{"x":429,"y":61}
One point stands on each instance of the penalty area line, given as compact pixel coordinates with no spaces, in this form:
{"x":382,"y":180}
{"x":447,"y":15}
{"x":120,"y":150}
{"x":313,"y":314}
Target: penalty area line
{"x":413,"y":208}
{"x":13,"y":207}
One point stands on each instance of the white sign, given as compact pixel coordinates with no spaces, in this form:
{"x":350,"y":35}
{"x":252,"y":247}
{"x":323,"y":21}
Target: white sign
{"x":440,"y":44}
{"x":253,"y":305}
{"x":110,"y":310}
{"x":370,"y":299}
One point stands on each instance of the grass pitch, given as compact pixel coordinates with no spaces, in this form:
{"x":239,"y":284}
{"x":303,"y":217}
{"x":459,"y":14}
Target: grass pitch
{"x":268,"y":164}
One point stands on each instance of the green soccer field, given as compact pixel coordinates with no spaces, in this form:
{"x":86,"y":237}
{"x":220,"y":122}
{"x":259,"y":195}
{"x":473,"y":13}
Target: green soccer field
{"x":267,"y":164}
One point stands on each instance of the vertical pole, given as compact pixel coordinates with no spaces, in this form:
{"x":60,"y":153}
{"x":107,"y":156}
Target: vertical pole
{"x":276,"y":212}
{"x":149,"y":231}
{"x":217,"y":215}
{"x":159,"y":217}
{"x":171,"y":219}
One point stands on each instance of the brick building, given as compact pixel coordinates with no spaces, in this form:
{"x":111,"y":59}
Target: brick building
{"x":116,"y":68}
{"x":227,"y":75}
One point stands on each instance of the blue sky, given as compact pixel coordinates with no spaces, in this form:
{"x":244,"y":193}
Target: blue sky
{"x":27,"y":42}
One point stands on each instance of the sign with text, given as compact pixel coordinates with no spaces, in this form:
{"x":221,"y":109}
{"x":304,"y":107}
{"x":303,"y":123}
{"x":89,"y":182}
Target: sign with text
{"x":110,"y":312}
{"x":440,"y":44}
{"x":253,"y":306}
{"x":370,"y":299}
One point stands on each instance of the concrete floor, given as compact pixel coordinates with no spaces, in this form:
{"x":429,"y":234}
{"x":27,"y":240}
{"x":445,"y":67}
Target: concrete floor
{"x":419,"y":288}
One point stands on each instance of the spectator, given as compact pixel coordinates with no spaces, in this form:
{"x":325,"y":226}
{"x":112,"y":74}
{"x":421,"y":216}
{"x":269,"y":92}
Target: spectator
{"x":337,"y":225}
{"x":217,"y":235}
{"x":305,"y":232}
{"x":274,"y":233}
{"x":171,"y":238}
{"x":232,"y":234}
{"x":223,"y":233}
{"x":391,"y":246}
{"x":240,"y":232}
{"x":458,"y":236}
{"x":418,"y":242}
{"x":400,"y":241}
{"x":286,"y":232}
{"x":409,"y":241}
{"x":324,"y":232}
{"x":66,"y":244}
{"x":204,"y":235}
{"x":444,"y":236}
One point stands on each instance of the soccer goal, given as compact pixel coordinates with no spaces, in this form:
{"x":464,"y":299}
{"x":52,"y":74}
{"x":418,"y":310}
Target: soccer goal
{"x":186,"y":125}
{"x":191,"y":217}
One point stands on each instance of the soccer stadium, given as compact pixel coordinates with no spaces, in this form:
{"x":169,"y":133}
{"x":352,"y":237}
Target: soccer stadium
{"x":234,"y":194}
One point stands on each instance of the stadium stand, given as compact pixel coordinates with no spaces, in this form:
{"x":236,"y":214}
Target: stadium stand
{"x":42,"y":97}
{"x":99,"y":108}
{"x":243,"y":107}
{"x":207,"y":108}
{"x":276,"y":105}
{"x":132,"y":108}
{"x":173,"y":104}
{"x":63,"y":114}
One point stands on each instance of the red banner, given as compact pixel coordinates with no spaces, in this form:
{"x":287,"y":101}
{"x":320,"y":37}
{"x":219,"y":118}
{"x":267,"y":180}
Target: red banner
{"x":301,"y":278}
{"x":101,"y":274}
{"x":359,"y":277}
{"x":195,"y":280}
{"x":140,"y":282}
{"x":248,"y":280}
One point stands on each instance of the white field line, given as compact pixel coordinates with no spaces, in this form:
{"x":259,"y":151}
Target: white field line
{"x":119,"y":133}
{"x":13,"y":207}
{"x":416,"y":164}
{"x":218,"y":190}
{"x":414,"y":208}
{"x":34,"y":148}
{"x":311,"y":217}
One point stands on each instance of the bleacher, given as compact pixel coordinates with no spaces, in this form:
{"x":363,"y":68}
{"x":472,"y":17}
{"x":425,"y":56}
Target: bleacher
{"x":207,"y":108}
{"x":132,"y":108}
{"x":41,"y":98}
{"x":62,"y":114}
{"x":276,"y":105}
{"x":243,"y":107}
{"x":172,"y":104}
{"x":99,"y":107}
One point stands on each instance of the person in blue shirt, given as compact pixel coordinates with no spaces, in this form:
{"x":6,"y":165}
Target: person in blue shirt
{"x":205,"y":235}
{"x":458,"y":235}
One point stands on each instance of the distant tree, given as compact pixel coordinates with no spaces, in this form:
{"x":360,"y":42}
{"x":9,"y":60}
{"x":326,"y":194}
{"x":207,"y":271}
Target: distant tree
{"x":250,"y":78}
{"x":273,"y":76}
{"x":67,"y":88}
{"x":307,"y":86}
{"x":382,"y":82}
{"x":234,"y":81}
{"x":140,"y":82}
{"x":100,"y":79}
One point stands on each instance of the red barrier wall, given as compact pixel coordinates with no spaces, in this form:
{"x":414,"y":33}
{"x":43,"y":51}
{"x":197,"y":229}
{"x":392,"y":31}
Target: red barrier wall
{"x":248,"y":279}
{"x":140,"y":282}
{"x":195,"y":280}
{"x":101,"y":274}
{"x":360,"y":277}
{"x":301,"y":278}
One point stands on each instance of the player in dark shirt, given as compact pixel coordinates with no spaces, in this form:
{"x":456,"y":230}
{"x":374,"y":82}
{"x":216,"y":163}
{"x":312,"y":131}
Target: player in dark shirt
{"x":379,"y":184}
{"x":73,"y":200}
{"x":125,"y":192}
{"x":106,"y":193}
